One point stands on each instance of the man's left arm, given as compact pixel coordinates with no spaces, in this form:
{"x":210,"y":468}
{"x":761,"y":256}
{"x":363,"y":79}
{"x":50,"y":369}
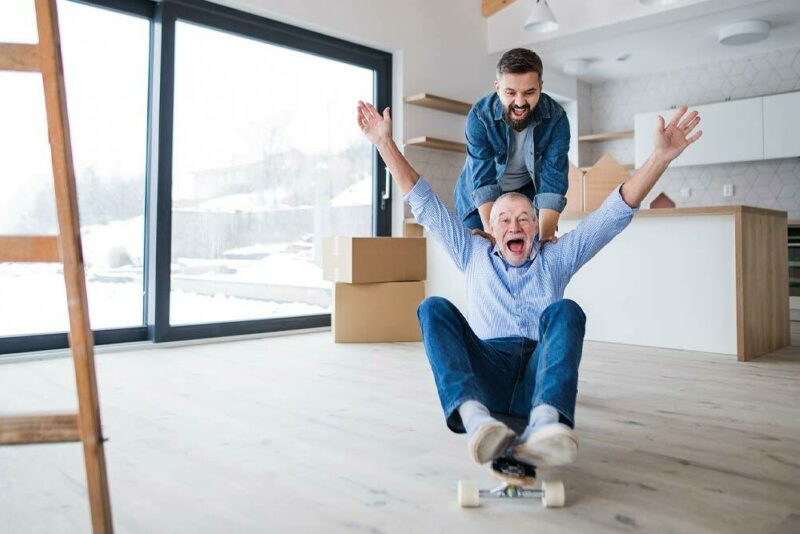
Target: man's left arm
{"x":670,"y":142}
{"x":554,"y":178}
{"x":600,"y":227}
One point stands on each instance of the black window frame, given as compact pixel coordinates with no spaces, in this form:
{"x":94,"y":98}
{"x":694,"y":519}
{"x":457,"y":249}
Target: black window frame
{"x":158,"y":193}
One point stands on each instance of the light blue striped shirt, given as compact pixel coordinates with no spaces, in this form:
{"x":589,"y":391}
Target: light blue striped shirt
{"x":505,"y":300}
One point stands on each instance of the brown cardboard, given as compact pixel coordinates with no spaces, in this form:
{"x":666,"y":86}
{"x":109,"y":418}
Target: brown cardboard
{"x":574,"y":191}
{"x":366,"y":260}
{"x":601,"y":180}
{"x":411,"y":228}
{"x":373,"y":313}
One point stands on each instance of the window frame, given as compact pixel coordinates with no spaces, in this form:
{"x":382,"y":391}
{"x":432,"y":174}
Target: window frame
{"x":158,"y":175}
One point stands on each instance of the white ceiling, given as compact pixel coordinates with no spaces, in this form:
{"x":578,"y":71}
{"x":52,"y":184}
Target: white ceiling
{"x":657,"y":38}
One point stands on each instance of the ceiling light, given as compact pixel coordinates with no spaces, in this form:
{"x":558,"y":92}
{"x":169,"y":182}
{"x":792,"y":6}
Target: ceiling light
{"x":541,"y":19}
{"x":657,"y":2}
{"x":742,"y":33}
{"x":576,"y":67}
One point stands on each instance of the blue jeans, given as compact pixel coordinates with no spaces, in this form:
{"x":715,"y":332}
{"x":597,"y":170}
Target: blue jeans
{"x":508,"y":375}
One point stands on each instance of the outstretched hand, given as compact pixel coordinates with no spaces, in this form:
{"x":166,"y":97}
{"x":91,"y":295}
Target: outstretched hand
{"x":673,"y":139}
{"x":376,"y":127}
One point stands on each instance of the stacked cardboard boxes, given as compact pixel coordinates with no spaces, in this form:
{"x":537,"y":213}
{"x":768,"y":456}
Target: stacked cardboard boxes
{"x":378,"y":283}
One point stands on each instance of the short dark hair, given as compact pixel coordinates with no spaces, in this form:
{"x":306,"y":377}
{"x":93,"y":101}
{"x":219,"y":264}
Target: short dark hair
{"x":519,"y":61}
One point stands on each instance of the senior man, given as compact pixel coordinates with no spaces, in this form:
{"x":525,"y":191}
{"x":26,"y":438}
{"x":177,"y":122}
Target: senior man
{"x":518,"y":354}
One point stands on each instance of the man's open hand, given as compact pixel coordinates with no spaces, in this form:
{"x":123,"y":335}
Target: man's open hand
{"x":673,"y":139}
{"x":376,"y":127}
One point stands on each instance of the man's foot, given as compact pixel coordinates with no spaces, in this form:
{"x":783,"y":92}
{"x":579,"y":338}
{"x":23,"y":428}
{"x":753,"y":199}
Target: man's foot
{"x":490,"y":441}
{"x":548,"y":445}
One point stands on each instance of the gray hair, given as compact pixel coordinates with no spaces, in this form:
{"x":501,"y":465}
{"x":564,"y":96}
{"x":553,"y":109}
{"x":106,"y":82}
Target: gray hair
{"x":510,"y":195}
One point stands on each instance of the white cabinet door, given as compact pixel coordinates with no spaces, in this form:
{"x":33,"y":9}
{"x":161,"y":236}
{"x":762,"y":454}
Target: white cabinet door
{"x":732,"y":131}
{"x":782,"y":126}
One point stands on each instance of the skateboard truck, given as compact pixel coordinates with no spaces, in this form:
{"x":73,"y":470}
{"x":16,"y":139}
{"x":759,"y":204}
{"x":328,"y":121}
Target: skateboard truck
{"x":518,"y":479}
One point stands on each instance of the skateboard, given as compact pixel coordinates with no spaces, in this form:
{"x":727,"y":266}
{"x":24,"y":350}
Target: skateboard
{"x":517,"y":479}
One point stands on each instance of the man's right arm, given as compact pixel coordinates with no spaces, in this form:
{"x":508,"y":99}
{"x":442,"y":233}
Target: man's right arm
{"x":428,"y":209}
{"x":480,"y":168}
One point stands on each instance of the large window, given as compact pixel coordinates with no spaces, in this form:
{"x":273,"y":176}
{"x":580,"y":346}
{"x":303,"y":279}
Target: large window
{"x":267,"y":161}
{"x":106,"y":64}
{"x":214,"y":150}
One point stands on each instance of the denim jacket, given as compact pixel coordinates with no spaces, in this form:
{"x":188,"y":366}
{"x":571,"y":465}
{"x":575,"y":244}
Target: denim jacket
{"x":487,"y":155}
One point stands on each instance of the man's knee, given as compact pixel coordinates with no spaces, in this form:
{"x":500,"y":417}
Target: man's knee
{"x":433,"y":308}
{"x":566,"y":310}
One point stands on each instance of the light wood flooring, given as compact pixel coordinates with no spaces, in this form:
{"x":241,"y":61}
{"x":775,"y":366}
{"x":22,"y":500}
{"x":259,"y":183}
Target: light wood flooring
{"x":297,"y":434}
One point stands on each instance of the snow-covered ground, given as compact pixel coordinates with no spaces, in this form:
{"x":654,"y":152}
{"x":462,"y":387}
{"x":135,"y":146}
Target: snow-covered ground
{"x":34,"y":302}
{"x":260,"y":281}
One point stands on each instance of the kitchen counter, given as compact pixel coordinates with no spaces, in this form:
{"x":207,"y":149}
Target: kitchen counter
{"x":707,"y":210}
{"x":711,"y":279}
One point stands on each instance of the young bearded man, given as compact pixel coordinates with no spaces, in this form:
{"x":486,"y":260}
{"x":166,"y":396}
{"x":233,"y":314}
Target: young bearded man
{"x":517,"y":140}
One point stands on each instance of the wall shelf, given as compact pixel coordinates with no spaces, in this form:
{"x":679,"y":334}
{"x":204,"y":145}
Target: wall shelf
{"x":437,"y":144}
{"x":608,"y":136}
{"x":440,"y":103}
{"x":629,"y":166}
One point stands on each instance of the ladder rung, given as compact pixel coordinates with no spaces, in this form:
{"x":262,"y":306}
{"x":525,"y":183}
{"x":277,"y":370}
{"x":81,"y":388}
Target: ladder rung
{"x":29,"y":249}
{"x":50,"y":428}
{"x":19,"y":57}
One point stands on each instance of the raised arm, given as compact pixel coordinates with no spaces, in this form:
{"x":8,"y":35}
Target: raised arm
{"x":429,"y":210}
{"x":577,"y":247}
{"x":670,"y":142}
{"x":378,"y":130}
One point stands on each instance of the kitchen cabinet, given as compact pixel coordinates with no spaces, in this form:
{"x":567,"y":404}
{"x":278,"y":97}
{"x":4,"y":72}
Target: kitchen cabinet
{"x":782,"y":126}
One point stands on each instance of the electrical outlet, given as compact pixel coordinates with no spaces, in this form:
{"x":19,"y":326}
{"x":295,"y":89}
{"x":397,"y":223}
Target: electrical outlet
{"x":727,"y":190}
{"x":686,"y":192}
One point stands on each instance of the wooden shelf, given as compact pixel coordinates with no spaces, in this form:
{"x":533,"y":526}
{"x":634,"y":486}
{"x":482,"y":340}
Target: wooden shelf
{"x":438,"y":144}
{"x":440,"y":103}
{"x":629,"y":166}
{"x":608,"y":136}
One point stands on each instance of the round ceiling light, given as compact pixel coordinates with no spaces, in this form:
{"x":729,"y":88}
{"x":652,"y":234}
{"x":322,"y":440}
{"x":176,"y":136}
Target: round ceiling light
{"x":742,"y":33}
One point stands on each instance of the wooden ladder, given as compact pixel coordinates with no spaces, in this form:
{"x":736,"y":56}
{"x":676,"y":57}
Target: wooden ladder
{"x":84,"y":426}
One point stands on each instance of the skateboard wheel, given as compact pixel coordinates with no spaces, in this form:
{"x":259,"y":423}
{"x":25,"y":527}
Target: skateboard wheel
{"x":553,"y":493}
{"x":468,"y":494}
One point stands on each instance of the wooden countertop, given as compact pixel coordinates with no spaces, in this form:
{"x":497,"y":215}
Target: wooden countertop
{"x":708,"y":210}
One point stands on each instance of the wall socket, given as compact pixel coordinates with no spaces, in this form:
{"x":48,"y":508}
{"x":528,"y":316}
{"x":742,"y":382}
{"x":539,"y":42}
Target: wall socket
{"x":727,"y":190}
{"x":686,"y":192}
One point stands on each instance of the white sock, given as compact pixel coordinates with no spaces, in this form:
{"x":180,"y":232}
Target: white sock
{"x":473,"y":415}
{"x":542,"y":415}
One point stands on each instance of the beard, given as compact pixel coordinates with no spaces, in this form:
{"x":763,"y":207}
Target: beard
{"x":518,"y":124}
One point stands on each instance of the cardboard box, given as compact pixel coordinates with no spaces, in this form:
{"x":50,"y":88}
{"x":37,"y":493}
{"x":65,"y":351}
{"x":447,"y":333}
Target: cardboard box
{"x":574,"y":192}
{"x":600,"y":180}
{"x":372,"y":313}
{"x":367,"y":260}
{"x":411,"y":228}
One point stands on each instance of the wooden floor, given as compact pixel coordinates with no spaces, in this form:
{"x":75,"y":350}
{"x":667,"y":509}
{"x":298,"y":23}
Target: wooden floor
{"x":296,"y":434}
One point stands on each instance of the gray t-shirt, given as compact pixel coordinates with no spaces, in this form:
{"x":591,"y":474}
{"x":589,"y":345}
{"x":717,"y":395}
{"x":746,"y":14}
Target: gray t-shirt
{"x":516,"y":174}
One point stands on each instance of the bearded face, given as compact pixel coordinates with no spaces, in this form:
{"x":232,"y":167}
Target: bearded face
{"x":519,"y":94}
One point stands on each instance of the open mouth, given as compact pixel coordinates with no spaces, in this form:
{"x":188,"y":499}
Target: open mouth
{"x":518,"y":113}
{"x":516,"y":246}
